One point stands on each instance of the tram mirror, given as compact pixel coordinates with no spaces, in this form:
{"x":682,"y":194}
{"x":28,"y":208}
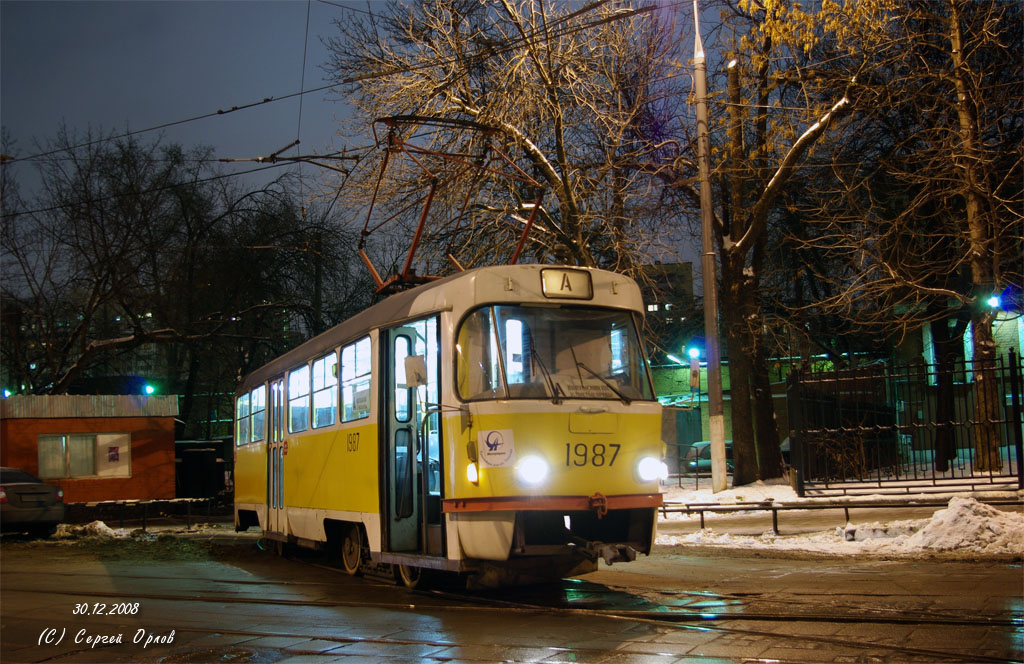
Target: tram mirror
{"x":415,"y":370}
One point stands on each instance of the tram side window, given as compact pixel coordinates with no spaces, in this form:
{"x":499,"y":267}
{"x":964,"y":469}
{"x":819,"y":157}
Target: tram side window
{"x":298,"y":400}
{"x":258,"y":406}
{"x":242,"y":420}
{"x":355,"y":380}
{"x":325,"y":391}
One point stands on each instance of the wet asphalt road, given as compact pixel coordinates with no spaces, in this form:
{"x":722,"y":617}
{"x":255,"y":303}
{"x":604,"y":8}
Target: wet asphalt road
{"x":175,"y":600}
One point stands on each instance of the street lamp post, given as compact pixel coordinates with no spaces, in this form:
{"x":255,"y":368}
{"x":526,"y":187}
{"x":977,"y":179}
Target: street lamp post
{"x":716,"y":418}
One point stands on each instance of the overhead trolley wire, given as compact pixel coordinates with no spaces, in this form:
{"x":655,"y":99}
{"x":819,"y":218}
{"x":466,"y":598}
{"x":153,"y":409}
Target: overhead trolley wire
{"x":302,"y":80}
{"x":152,"y":190}
{"x":354,"y":79}
{"x":511,"y":45}
{"x":204,"y":116}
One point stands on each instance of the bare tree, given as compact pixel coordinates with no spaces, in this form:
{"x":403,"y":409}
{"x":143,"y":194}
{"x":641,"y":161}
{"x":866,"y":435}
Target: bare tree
{"x":778,"y":107}
{"x":577,"y":100}
{"x":139,"y":259}
{"x":928,"y":219}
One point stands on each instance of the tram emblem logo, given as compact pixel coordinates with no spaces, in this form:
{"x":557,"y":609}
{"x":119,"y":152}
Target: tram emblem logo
{"x":496,"y":447}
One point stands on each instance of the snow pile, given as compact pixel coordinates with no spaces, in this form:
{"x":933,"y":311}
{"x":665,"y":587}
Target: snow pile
{"x":94,"y":529}
{"x":968,"y":524}
{"x":966,"y":527}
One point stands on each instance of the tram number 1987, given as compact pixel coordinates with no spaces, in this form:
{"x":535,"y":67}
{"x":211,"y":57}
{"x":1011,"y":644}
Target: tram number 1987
{"x":597,"y":454}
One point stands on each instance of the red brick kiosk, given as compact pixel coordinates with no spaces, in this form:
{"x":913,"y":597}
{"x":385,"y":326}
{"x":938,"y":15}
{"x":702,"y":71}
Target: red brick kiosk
{"x":95,"y":447}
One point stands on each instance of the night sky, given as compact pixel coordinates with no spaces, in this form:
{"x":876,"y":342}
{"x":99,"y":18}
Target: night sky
{"x":126,"y":66}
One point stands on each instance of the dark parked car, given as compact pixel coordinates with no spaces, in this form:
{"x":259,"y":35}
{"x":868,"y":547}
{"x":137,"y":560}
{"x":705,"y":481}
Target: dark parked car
{"x":28,"y":504}
{"x":698,"y":457}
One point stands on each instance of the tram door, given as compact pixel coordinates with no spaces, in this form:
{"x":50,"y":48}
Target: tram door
{"x":276,"y":450}
{"x":412,"y":446}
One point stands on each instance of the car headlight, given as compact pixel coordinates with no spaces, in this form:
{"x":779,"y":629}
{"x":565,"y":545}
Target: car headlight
{"x":650,"y":469}
{"x":532,"y":470}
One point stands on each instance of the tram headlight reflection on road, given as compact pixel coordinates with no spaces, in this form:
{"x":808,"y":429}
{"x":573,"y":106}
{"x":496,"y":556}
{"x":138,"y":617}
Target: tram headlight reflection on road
{"x":532,"y":470}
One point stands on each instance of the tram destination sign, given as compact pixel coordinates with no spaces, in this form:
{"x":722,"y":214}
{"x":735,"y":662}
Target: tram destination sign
{"x":565,"y":283}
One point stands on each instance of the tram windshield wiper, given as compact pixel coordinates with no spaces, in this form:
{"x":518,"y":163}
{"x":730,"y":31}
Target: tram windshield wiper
{"x":552,"y":386}
{"x":626,"y":400}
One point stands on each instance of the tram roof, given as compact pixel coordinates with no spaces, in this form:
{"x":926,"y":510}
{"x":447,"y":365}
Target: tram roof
{"x":475,"y":287}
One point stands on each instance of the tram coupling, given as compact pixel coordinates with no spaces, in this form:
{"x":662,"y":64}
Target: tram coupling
{"x":610,"y":553}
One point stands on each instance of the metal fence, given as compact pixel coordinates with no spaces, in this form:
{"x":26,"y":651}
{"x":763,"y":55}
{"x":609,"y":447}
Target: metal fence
{"x":908,"y":429}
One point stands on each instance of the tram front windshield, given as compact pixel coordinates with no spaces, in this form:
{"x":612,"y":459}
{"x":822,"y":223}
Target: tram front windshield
{"x":533,"y":352}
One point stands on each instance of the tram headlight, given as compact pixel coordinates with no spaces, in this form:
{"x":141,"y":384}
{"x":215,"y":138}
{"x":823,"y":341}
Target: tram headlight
{"x":532,"y":470}
{"x":472,"y":473}
{"x":650,"y":469}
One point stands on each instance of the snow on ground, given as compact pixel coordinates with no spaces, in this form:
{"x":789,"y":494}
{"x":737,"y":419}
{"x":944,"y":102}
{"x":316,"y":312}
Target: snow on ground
{"x":965,"y":527}
{"x":780,"y":492}
{"x":776,"y":490}
{"x":94,"y":529}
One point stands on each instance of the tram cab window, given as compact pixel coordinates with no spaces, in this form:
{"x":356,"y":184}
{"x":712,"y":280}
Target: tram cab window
{"x":298,"y":400}
{"x":524,"y":352}
{"x":325,"y":391}
{"x":477,"y":353}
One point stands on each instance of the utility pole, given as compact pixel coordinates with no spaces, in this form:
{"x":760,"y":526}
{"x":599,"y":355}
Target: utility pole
{"x":716,"y":419}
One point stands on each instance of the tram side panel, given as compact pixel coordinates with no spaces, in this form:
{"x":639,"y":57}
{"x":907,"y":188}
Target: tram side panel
{"x":250,"y":476}
{"x":308,"y":478}
{"x":332,"y":476}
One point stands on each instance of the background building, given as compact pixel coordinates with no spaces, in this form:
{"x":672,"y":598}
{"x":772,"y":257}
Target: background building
{"x":95,"y":447}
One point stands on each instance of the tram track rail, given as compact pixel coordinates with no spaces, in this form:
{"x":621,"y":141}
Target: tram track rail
{"x":724,"y":622}
{"x":673,"y":616}
{"x":664,"y":613}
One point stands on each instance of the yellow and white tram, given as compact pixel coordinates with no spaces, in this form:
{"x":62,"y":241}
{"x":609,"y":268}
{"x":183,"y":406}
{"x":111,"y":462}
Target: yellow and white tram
{"x":500,"y":423}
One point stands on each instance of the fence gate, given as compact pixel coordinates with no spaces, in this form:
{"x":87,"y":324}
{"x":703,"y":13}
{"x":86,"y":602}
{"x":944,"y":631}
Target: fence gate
{"x":912,"y":429}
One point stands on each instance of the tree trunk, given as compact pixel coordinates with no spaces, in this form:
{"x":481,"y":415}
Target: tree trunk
{"x":744,"y":450}
{"x":981,"y":257}
{"x":945,"y":406}
{"x":736,"y":301}
{"x":769,"y":454}
{"x":986,"y":390}
{"x":188,"y":398}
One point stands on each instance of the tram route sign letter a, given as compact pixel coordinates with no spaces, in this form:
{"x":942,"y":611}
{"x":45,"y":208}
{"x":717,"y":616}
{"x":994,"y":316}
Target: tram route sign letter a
{"x":567,"y":284}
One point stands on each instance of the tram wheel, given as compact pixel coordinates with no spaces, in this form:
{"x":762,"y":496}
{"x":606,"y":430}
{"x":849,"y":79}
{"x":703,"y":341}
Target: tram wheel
{"x":351,"y":550}
{"x":408,"y":576}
